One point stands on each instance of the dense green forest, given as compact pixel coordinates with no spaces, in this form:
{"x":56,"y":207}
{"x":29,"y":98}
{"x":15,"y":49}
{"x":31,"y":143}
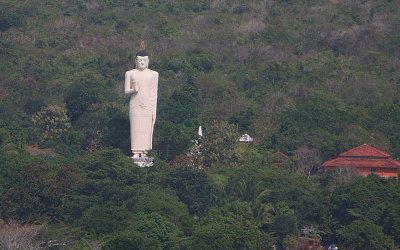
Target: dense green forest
{"x":308,"y":78}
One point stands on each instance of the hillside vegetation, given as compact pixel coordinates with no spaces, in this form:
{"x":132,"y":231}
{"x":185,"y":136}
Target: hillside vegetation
{"x":308,"y":78}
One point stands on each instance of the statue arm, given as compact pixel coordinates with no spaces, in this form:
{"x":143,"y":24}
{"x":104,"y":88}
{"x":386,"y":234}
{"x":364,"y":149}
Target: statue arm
{"x":128,"y":88}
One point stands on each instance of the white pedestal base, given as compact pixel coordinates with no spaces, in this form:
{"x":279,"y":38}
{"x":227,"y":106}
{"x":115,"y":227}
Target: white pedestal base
{"x":143,"y":161}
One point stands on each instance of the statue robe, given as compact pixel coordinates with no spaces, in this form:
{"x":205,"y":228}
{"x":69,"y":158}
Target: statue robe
{"x":143,"y":87}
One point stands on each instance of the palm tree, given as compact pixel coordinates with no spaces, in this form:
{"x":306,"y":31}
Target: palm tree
{"x":262,"y":208}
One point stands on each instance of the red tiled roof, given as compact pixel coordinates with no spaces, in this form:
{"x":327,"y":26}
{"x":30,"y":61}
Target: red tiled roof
{"x":360,"y":162}
{"x":365,"y":150}
{"x":363,"y":156}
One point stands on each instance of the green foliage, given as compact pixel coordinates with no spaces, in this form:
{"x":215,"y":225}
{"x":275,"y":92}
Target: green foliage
{"x":108,"y":177}
{"x":158,"y":227}
{"x":176,"y":125}
{"x":390,"y":221}
{"x":220,"y":144}
{"x":373,"y":198}
{"x":78,"y":100}
{"x":230,"y":227}
{"x":363,"y":234}
{"x":152,"y":199}
{"x":327,"y":114}
{"x":104,"y":219}
{"x":181,"y":109}
{"x":171,"y":139}
{"x":249,"y":183}
{"x":9,"y":18}
{"x":202,"y":61}
{"x":242,"y":8}
{"x":52,"y":129}
{"x":194,"y":188}
{"x":167,"y":30}
{"x":385,"y":118}
{"x":242,"y":119}
{"x":280,"y":32}
{"x":131,"y":240}
{"x":105,"y":125}
{"x":262,"y":208}
{"x":11,"y":164}
{"x":45,"y":41}
{"x":87,"y":90}
{"x":14,"y":125}
{"x":34,"y":105}
{"x":196,"y":6}
{"x":4,"y":137}
{"x":38,"y":193}
{"x":312,"y":118}
{"x":284,"y":221}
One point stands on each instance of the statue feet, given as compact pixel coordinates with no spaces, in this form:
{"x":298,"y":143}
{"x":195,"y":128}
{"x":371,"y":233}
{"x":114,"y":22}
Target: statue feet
{"x":142,"y":160}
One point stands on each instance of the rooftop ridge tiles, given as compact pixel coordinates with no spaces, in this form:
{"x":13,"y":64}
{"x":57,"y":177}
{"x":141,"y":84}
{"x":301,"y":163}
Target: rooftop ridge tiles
{"x":364,"y":150}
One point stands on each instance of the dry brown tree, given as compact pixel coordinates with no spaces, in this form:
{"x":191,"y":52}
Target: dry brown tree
{"x":16,"y":236}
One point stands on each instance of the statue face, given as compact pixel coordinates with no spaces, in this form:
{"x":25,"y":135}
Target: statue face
{"x":142,"y":62}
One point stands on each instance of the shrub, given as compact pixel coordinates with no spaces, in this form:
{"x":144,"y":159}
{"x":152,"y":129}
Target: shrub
{"x":363,"y":234}
{"x":220,"y":144}
{"x":104,"y":219}
{"x":202,"y":61}
{"x":51,"y":122}
{"x":131,"y":240}
{"x":9,"y":19}
{"x":88,"y":90}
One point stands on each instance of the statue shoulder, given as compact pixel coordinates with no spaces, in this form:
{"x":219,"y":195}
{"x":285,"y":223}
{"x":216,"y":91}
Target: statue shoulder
{"x":129,"y":71}
{"x":154,"y":73}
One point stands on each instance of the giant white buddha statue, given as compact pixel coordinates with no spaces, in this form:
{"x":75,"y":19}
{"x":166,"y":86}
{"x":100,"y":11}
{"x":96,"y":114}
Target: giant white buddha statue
{"x":142,"y":85}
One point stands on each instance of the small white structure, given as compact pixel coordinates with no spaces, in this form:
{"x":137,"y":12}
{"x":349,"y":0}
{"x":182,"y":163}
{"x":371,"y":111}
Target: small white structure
{"x":200,"y":132}
{"x":245,"y":138}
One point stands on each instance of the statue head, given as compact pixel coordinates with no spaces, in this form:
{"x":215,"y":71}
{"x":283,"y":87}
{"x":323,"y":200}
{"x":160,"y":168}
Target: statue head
{"x":142,"y":60}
